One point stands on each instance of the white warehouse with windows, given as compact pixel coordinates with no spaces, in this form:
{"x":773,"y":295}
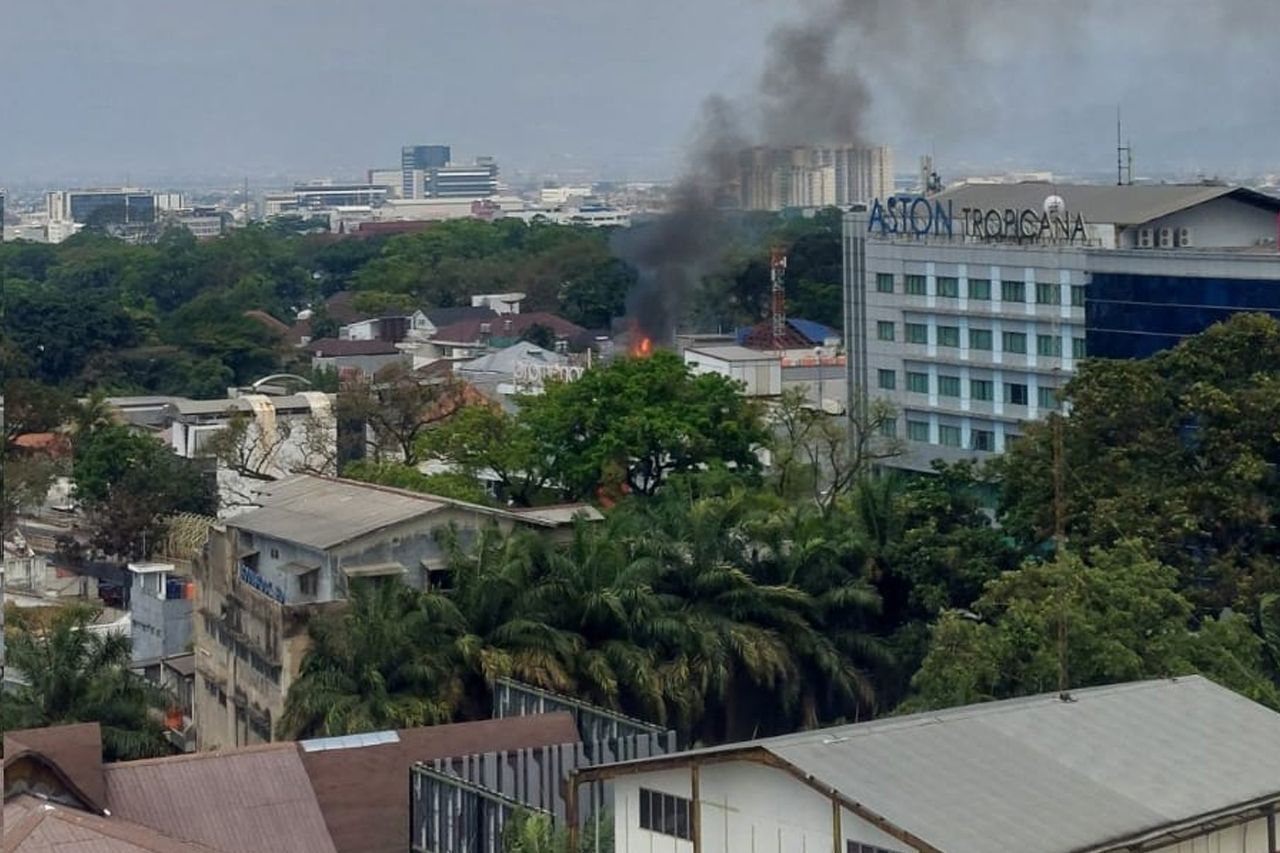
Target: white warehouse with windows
{"x":1172,"y":766}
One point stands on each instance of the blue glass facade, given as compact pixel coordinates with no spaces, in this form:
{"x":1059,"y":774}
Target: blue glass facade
{"x":1134,"y":316}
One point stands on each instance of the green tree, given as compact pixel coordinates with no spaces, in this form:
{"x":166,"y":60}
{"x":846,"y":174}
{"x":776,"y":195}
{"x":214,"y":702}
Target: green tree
{"x":650,"y":417}
{"x":400,"y":408}
{"x":127,"y":482}
{"x":484,"y":440}
{"x":1122,"y":618}
{"x":456,"y":485}
{"x":1179,"y":450}
{"x":73,"y":674}
{"x":364,"y":670}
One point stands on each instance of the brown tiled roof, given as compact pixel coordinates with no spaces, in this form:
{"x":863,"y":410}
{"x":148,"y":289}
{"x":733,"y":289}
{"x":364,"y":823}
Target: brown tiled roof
{"x":254,"y":799}
{"x":267,"y":320}
{"x":364,"y":791}
{"x":51,"y":828}
{"x":468,"y":331}
{"x":330,"y":347}
{"x":73,"y":751}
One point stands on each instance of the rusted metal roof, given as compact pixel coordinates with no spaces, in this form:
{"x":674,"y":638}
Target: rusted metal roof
{"x":245,"y":801}
{"x":363,"y":791}
{"x":74,"y":751}
{"x":51,"y":828}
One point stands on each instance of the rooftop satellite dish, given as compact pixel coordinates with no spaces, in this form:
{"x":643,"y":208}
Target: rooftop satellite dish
{"x":1054,"y":205}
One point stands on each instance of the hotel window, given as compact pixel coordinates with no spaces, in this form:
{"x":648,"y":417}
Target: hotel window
{"x":888,"y":379}
{"x":916,"y":333}
{"x":1047,"y":398}
{"x":889,"y":428}
{"x":884,"y":282}
{"x":949,"y":386}
{"x":980,"y":339}
{"x":1015,"y":342}
{"x":1077,"y":295}
{"x":983,"y":439}
{"x":1015,"y":393}
{"x":1048,"y":345}
{"x":982,"y":389}
{"x":949,"y":287}
{"x":918,"y":383}
{"x":915,"y":285}
{"x":1077,"y":348}
{"x":949,"y":436}
{"x":1013,"y":291}
{"x":884,"y":330}
{"x":1047,"y":293}
{"x":979,"y":288}
{"x":665,"y":814}
{"x":918,"y":431}
{"x":948,"y":336}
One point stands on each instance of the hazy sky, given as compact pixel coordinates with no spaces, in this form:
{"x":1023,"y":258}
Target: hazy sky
{"x":104,"y":90}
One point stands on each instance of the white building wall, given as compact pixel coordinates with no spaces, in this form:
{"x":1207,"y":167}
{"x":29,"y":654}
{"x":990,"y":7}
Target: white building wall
{"x":1222,"y":223}
{"x":753,"y":808}
{"x":746,"y":808}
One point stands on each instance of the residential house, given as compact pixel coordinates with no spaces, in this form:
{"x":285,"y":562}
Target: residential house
{"x":353,"y":358}
{"x":267,"y":572}
{"x":1173,"y":766}
{"x":522,"y":368}
{"x":471,"y":338}
{"x":327,"y":795}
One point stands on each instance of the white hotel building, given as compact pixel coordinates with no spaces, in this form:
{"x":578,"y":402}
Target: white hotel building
{"x":973,"y":332}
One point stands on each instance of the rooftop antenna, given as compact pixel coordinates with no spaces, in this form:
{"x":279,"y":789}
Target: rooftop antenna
{"x":1124,"y":156}
{"x":778,"y":305}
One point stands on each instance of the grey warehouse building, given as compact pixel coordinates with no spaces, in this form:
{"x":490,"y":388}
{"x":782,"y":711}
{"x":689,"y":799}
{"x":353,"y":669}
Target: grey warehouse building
{"x":969,"y":310}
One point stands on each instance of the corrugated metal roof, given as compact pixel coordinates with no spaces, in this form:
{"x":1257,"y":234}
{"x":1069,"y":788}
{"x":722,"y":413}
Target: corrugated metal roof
{"x":1099,"y":203}
{"x":289,"y":402}
{"x":75,"y":749}
{"x":321,"y":513}
{"x":732,"y":352}
{"x":364,"y":791}
{"x":256,"y":799}
{"x":1040,"y":775}
{"x":52,"y":828}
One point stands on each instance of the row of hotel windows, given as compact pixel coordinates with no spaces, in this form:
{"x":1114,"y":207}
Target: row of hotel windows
{"x":1015,"y":393}
{"x":948,"y":434}
{"x":948,"y":287}
{"x":979,"y":339}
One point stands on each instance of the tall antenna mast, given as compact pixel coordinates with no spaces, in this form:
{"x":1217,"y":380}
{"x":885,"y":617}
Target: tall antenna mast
{"x":1124,"y":156}
{"x":778,"y":296}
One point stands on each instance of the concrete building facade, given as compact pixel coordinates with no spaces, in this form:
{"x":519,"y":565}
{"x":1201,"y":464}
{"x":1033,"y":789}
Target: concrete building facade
{"x":971,"y":318}
{"x":267,"y":572}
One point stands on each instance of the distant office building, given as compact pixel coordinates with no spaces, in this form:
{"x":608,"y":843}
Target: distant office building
{"x":415,"y":161}
{"x":778,"y":178}
{"x":970,"y":309}
{"x":479,"y":180}
{"x":392,"y":179}
{"x":1,"y":217}
{"x":102,"y":207}
{"x":323,"y":197}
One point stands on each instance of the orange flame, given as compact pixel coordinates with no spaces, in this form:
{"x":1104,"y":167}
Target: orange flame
{"x":645,"y":348}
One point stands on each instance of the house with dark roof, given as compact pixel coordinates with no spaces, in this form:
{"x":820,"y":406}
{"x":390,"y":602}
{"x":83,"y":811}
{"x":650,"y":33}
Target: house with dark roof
{"x":351,"y":359}
{"x":472,"y":337}
{"x":329,"y":795}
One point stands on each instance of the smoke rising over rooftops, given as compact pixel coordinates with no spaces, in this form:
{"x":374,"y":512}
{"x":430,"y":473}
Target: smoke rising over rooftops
{"x":940,"y":63}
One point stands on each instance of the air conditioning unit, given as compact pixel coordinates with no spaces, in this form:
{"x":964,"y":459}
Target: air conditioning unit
{"x":1166,"y":238}
{"x":1184,"y":237}
{"x":1146,"y":238}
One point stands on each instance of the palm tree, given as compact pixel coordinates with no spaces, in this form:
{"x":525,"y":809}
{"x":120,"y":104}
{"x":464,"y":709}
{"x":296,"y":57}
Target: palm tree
{"x":70,"y":673}
{"x":363,"y":671}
